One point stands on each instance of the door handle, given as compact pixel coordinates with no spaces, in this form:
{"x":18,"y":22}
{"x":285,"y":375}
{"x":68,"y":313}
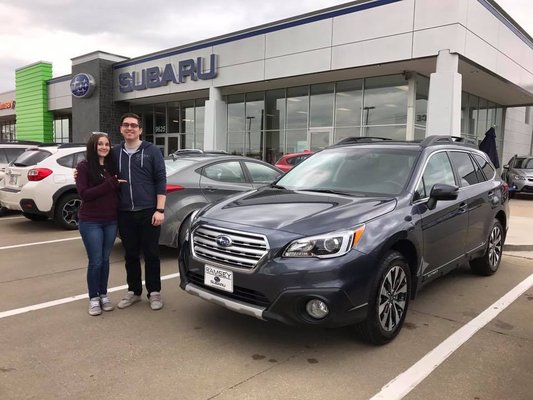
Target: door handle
{"x":490,"y":195}
{"x":463,"y":207}
{"x":210,"y":189}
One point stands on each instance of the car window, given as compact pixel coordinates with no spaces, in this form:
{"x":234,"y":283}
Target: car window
{"x":261,"y":173}
{"x":438,"y":170}
{"x":71,"y":160}
{"x":487,"y":169}
{"x":9,"y":154}
{"x":174,"y":165}
{"x":229,"y":171}
{"x":517,"y":162}
{"x":467,"y":172}
{"x":31,"y":157}
{"x":528,"y":163}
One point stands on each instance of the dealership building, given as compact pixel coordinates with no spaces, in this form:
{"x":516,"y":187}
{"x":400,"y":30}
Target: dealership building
{"x":401,"y":69}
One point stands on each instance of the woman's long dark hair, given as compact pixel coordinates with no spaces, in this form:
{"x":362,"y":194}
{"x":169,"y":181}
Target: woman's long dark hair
{"x":96,"y":171}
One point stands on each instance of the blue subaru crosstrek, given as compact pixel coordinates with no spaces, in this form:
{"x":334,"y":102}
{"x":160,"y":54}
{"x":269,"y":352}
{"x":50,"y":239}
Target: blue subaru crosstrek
{"x":350,"y":235}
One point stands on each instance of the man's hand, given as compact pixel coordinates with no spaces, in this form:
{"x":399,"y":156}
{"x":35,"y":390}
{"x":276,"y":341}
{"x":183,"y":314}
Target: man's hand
{"x":158,"y":218}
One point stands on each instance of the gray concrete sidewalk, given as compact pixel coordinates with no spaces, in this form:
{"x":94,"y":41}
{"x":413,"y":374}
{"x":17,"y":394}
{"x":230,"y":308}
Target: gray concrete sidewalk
{"x":519,"y":240}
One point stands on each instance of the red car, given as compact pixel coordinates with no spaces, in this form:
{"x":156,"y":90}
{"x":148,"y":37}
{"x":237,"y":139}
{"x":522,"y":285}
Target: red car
{"x":288,"y":161}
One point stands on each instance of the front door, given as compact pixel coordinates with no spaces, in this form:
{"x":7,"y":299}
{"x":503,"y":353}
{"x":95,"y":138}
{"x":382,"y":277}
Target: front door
{"x":319,"y":138}
{"x":170,"y":142}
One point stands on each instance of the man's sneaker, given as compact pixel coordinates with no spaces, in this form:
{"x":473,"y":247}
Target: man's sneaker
{"x":128,"y":300}
{"x":94,"y":306}
{"x":105,"y":303}
{"x":155,"y":301}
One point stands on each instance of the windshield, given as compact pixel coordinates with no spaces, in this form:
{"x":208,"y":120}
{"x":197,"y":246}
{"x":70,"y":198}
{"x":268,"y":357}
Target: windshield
{"x":524,"y":163}
{"x":31,"y":157}
{"x":357,"y":171}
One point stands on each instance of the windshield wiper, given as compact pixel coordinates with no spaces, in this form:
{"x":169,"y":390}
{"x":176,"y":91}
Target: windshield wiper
{"x":278,"y":186}
{"x":325,"y":191}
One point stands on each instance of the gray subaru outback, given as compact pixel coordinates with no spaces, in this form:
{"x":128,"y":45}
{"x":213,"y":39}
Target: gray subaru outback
{"x":349,"y":236}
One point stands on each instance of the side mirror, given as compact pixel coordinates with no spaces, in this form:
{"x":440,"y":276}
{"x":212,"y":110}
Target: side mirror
{"x":440,"y":191}
{"x":506,"y":166}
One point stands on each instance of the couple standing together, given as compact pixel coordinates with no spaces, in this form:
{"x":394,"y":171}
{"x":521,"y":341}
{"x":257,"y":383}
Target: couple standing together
{"x":122,"y":187}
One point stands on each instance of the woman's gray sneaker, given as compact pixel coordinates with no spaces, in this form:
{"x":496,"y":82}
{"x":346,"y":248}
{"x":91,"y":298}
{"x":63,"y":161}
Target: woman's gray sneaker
{"x":94,"y":306}
{"x":105,"y":303}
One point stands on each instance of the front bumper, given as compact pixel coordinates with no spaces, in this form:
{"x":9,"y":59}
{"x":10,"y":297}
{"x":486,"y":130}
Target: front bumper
{"x":279,"y":288}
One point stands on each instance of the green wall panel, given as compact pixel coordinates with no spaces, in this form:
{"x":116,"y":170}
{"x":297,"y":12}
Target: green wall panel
{"x":34,"y":121}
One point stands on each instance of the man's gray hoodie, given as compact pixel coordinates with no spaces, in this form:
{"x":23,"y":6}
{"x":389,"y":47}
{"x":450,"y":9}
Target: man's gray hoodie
{"x":145,"y":174}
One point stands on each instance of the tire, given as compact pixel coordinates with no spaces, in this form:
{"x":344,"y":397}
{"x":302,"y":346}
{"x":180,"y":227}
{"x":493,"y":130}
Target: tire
{"x":183,"y":229}
{"x":35,"y":217}
{"x":66,"y":211}
{"x":387,"y":308}
{"x":3,"y":211}
{"x":490,"y":261}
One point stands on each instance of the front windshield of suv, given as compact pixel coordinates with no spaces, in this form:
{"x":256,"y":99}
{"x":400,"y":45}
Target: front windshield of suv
{"x":353,"y":170}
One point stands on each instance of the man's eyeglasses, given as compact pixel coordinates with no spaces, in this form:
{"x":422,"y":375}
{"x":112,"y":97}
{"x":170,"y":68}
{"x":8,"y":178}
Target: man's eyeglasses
{"x":126,"y":125}
{"x":99,"y":133}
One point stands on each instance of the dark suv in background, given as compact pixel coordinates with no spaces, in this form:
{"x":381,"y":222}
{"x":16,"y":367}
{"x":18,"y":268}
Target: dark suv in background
{"x":350,"y":235}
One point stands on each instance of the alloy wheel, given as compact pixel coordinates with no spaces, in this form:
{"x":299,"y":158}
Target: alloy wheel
{"x":70,"y":211}
{"x":392,"y":298}
{"x":495,"y":246}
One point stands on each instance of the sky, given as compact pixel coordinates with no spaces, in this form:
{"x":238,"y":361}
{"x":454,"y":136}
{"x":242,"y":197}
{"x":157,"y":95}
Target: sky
{"x":58,"y":30}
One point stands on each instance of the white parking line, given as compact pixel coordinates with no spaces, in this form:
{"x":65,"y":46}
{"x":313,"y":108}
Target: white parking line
{"x":17,"y":311}
{"x":409,"y":379}
{"x":38,"y":243}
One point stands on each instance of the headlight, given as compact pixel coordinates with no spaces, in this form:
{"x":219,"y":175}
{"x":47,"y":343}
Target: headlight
{"x":519,"y":178}
{"x":333,"y":244}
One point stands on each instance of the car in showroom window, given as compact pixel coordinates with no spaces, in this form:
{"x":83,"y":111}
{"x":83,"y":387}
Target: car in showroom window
{"x":350,"y":236}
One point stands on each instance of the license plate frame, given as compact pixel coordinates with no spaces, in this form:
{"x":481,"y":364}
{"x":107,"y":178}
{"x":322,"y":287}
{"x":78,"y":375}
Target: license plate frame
{"x":218,"y":278}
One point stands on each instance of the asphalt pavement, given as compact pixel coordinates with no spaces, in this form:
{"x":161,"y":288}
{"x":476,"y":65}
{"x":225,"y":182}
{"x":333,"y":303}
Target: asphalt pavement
{"x":519,"y":240}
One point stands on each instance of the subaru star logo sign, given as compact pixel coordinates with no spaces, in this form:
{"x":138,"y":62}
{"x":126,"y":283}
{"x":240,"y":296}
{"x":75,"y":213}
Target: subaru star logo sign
{"x":224,"y":241}
{"x":82,"y":85}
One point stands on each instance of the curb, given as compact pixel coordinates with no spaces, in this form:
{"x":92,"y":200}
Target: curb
{"x":517,"y":247}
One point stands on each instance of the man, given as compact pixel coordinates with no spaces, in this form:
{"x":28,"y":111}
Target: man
{"x":141,"y":210}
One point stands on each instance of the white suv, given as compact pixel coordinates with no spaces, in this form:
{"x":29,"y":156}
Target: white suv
{"x":40,"y":183}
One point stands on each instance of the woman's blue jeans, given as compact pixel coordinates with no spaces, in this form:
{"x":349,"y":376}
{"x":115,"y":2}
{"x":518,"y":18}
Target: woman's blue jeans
{"x":98,"y":238}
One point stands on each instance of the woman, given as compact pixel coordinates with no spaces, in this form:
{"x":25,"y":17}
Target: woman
{"x":97,"y":186}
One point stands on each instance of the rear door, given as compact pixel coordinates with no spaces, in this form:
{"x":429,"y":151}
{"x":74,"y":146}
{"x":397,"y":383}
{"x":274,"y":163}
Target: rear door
{"x":222,"y":179}
{"x":479,"y":193}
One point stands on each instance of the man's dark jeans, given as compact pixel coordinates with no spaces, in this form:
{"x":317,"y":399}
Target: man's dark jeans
{"x":138,"y":234}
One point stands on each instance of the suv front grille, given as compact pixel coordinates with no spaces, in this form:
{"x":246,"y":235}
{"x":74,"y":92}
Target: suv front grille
{"x":243,"y":251}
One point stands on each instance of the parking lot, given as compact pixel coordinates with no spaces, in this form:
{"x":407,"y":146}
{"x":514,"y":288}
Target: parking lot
{"x":50,"y":348}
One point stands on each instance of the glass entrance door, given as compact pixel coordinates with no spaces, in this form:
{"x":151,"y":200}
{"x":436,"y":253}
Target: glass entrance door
{"x":170,"y":142}
{"x":319,"y":138}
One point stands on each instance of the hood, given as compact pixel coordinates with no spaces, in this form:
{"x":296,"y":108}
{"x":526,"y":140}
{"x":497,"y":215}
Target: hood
{"x":298,"y":212}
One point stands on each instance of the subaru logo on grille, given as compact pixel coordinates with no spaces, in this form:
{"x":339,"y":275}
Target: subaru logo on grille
{"x":224,"y":241}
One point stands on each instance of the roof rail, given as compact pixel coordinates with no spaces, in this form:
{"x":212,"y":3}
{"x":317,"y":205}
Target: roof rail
{"x":445,"y":139}
{"x":68,"y":145}
{"x":195,"y":152}
{"x":20,"y":142}
{"x":361,"y":139}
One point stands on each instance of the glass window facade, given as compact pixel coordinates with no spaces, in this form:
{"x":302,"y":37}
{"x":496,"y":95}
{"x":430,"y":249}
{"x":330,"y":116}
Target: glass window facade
{"x":62,"y":131}
{"x":8,"y":130}
{"x":174,"y":125}
{"x":269,"y":124}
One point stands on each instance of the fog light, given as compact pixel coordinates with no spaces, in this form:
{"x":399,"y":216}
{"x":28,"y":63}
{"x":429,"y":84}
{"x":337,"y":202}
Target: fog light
{"x":317,"y":308}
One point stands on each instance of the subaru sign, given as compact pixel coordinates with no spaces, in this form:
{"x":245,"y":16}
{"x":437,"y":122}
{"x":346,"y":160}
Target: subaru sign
{"x":154,"y":77}
{"x":82,"y":85}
